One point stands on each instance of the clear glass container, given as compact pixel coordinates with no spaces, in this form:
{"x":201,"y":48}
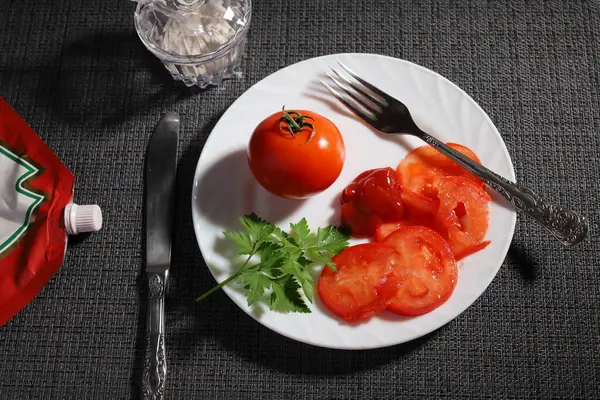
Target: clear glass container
{"x":200,"y":42}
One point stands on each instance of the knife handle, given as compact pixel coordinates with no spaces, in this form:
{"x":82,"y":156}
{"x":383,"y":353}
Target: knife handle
{"x":155,"y":361}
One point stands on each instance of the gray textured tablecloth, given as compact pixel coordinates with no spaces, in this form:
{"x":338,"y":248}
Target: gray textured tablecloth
{"x":76,"y":71}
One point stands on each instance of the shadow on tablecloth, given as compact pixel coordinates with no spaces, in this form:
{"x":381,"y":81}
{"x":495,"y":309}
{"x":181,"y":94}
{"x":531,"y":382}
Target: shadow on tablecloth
{"x":91,"y":81}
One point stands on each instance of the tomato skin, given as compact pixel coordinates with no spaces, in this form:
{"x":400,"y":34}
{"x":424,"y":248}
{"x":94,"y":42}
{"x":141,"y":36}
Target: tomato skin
{"x":290,"y":166}
{"x":364,"y":283}
{"x":372,"y":198}
{"x":471,"y":250}
{"x":427,"y":272}
{"x":462,"y":217}
{"x":419,"y":170}
{"x":420,"y":210}
{"x":385,"y":229}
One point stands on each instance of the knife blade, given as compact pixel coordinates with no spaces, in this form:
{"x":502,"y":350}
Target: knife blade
{"x":161,"y":167}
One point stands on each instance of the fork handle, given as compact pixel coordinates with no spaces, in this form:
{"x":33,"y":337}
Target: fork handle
{"x":569,"y":227}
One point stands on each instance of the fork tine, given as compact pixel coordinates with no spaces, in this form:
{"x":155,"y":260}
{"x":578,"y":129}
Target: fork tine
{"x":370,"y":95}
{"x":368,"y":118}
{"x":363,"y":101}
{"x":380,"y":93}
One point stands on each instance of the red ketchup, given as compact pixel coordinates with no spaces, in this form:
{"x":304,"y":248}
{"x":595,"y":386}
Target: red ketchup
{"x":36,"y":213}
{"x":373,"y":197}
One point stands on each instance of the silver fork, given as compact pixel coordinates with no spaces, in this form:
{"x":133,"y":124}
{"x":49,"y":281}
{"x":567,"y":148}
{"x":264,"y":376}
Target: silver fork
{"x":391,"y":116}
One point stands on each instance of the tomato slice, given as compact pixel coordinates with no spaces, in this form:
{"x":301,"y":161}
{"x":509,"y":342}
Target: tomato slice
{"x":462,"y":218}
{"x":427,"y":271}
{"x":419,"y":170}
{"x":364,"y":283}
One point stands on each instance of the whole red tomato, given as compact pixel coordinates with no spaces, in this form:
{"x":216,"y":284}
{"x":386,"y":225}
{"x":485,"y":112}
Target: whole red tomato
{"x":296,"y":154}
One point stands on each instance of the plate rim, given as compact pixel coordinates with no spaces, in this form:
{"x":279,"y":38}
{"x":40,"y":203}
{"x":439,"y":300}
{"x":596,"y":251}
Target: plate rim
{"x":444,"y":319}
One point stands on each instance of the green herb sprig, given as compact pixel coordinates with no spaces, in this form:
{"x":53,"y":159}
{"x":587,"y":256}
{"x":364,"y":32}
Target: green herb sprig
{"x":281,"y":275}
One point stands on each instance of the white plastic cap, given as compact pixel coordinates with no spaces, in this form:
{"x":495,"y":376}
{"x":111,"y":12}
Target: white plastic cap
{"x":80,"y":219}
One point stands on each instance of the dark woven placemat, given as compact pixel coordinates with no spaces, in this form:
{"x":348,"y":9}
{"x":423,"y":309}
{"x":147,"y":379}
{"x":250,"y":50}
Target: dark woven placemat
{"x":79,"y":75}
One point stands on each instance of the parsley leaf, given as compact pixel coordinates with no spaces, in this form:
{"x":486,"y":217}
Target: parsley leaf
{"x":271,"y":260}
{"x":286,"y":297}
{"x":304,"y":277}
{"x":255,"y":284}
{"x":243,"y":241}
{"x":282,"y":278}
{"x":317,"y":258}
{"x":297,"y":266}
{"x":257,"y":228}
{"x":285,"y":239}
{"x":301,"y":233}
{"x":331,"y":240}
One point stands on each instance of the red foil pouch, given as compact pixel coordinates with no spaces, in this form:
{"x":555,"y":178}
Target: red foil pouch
{"x":36,"y":213}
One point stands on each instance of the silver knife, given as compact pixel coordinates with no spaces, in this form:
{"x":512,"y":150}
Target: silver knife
{"x":161,"y":166}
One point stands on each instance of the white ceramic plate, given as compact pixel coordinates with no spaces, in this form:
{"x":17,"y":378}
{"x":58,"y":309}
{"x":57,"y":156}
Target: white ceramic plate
{"x":224,"y":187}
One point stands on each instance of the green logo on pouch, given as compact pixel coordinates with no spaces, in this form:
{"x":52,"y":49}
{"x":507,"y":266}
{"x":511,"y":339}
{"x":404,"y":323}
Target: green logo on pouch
{"x":18,"y":201}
